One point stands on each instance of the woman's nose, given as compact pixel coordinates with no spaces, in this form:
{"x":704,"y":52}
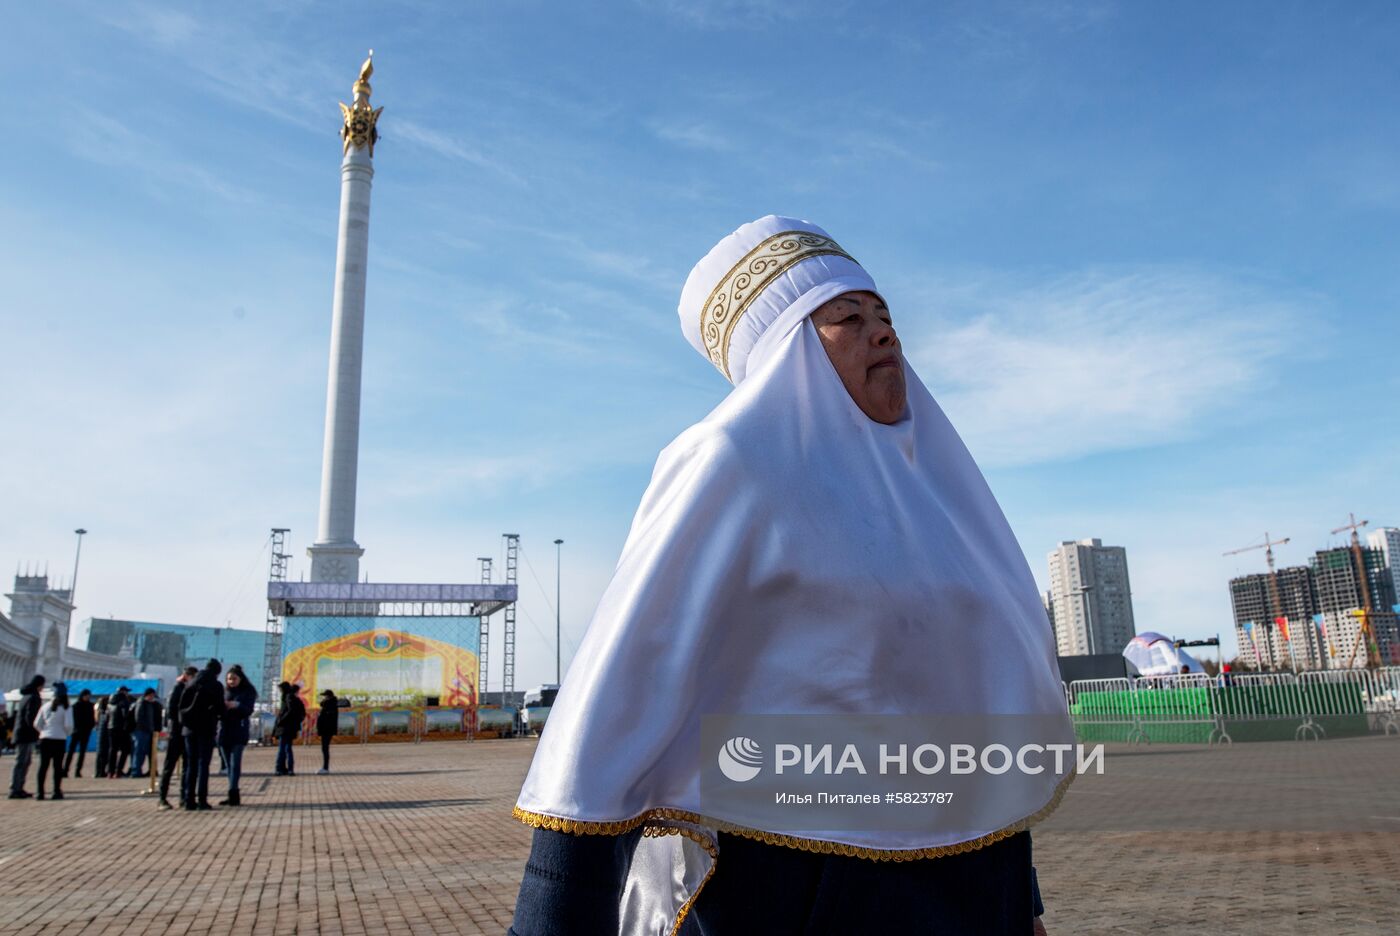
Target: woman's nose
{"x":883,"y":335}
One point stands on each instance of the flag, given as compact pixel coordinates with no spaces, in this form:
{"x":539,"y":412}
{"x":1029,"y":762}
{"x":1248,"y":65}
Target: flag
{"x":1321,"y":623}
{"x":1249,"y":629}
{"x":1282,"y":623}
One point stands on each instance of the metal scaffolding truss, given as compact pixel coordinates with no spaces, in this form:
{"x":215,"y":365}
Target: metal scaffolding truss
{"x":512,"y":578}
{"x":369,"y":599}
{"x":272,"y":635}
{"x":485,"y":655}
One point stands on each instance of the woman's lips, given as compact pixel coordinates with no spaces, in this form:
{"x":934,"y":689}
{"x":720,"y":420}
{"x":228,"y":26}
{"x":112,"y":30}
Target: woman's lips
{"x":887,"y":362}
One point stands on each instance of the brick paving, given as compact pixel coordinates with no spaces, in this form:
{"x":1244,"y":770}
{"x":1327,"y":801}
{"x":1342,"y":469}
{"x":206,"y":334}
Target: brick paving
{"x":418,"y":839}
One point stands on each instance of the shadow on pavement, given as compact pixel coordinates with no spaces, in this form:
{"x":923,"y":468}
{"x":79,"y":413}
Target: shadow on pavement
{"x":380,"y":804}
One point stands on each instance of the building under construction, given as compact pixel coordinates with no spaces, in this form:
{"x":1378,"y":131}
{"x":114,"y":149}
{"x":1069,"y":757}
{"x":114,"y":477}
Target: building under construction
{"x":1260,"y":603}
{"x":1312,"y":617}
{"x":1348,"y":605}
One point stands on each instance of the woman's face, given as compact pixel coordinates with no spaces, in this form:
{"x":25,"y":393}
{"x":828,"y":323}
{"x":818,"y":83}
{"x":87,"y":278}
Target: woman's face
{"x":856,"y":331}
{"x":233,"y":680}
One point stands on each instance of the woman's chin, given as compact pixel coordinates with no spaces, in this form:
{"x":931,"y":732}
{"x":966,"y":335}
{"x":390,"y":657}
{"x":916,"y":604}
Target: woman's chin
{"x":885,"y":401}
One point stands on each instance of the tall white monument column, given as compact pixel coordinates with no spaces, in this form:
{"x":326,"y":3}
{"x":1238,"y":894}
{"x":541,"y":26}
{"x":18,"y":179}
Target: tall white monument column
{"x":335,"y":556}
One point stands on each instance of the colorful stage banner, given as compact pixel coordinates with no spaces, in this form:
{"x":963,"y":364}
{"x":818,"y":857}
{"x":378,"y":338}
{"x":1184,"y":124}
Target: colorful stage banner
{"x":384,"y":662}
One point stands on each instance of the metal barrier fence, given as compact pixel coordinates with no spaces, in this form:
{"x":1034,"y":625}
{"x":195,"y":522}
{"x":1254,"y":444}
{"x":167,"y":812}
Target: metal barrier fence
{"x":1378,"y":689}
{"x":396,"y":725}
{"x":417,"y":725}
{"x":1251,"y":706}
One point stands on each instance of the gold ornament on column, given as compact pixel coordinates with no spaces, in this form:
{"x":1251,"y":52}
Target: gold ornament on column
{"x":360,"y":119}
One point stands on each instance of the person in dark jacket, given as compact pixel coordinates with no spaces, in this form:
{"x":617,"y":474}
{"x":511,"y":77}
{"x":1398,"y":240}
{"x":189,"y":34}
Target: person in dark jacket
{"x":104,"y":737}
{"x":147,"y":716}
{"x":239,"y":697}
{"x":175,"y":746}
{"x":327,"y":726}
{"x":119,"y":724}
{"x":288,"y":725}
{"x":84,"y":719}
{"x":26,"y":736}
{"x":201,"y":706}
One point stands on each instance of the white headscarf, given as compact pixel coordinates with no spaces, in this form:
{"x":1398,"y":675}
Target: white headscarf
{"x":774,"y":530}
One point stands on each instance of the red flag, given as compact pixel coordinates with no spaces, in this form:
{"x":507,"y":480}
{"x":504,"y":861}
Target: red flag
{"x":1282,"y":623}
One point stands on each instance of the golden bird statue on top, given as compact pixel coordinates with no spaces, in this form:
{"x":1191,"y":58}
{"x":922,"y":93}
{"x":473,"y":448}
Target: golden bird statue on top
{"x":359,"y":118}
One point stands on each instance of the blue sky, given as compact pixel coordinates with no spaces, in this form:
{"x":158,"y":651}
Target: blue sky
{"x":1143,"y":254}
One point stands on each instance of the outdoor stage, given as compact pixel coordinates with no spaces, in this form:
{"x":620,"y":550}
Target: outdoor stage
{"x":409,"y":839}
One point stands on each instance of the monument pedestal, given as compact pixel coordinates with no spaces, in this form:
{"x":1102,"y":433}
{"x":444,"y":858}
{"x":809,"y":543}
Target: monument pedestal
{"x":334,"y":562}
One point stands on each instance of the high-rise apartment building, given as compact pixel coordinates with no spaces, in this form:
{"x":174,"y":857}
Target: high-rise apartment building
{"x":1340,"y":596}
{"x":1387,"y":540}
{"x":1090,"y":600}
{"x":1274,"y":623}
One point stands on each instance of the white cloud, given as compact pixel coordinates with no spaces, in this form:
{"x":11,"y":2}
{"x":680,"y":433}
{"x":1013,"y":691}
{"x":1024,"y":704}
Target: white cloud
{"x":722,"y":14}
{"x":245,"y":67}
{"x":1096,"y":362}
{"x":450,"y":147}
{"x":693,"y":135}
{"x":104,"y":139}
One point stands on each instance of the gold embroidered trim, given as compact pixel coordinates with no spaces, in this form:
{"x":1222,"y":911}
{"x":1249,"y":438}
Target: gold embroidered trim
{"x":731,"y":298}
{"x":664,"y":814}
{"x":656,"y":824}
{"x":705,"y":842}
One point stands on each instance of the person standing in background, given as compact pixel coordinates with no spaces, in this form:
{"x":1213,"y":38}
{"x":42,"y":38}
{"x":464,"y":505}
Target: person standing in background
{"x":175,"y":746}
{"x":239,"y":698}
{"x":147,"y":719}
{"x":119,"y":724}
{"x":201,"y":706}
{"x":84,"y":719}
{"x":25,"y":736}
{"x":54,"y":724}
{"x":289,"y":718}
{"x":327,"y":727}
{"x":104,"y":737}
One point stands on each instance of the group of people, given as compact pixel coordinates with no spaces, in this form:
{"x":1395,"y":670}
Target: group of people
{"x":202,"y":714}
{"x":126,"y":728}
{"x":45,"y":725}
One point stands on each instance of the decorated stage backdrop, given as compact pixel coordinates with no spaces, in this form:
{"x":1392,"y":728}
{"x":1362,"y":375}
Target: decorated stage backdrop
{"x":384,"y":662}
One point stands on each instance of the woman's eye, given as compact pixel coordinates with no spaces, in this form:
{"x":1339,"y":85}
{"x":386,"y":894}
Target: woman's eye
{"x":853,"y":317}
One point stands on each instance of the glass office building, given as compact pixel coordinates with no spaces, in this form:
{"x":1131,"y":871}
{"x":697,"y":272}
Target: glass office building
{"x":175,"y":644}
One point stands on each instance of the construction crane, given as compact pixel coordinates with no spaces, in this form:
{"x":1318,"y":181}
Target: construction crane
{"x":1273,"y":613}
{"x":1372,"y":652}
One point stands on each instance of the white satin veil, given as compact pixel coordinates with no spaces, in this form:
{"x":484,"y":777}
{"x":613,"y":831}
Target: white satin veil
{"x":790,"y":556}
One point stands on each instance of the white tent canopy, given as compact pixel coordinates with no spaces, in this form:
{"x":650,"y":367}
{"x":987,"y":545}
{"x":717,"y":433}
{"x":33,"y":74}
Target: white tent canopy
{"x":1155,"y":655}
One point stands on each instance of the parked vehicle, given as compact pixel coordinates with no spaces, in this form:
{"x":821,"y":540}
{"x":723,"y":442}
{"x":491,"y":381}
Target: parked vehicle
{"x":538,"y":702}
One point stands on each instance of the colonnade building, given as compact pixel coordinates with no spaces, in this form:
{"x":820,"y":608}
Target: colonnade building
{"x":34,"y":639}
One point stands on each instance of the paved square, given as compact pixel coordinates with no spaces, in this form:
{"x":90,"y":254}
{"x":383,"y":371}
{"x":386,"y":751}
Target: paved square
{"x":409,"y":839}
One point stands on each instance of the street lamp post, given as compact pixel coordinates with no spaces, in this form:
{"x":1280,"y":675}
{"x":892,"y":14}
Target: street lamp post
{"x":558,"y":609}
{"x":73,"y":586}
{"x":1083,"y":592}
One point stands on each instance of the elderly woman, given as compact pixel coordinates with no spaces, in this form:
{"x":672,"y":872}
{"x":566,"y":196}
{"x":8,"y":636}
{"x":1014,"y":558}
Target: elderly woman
{"x":821,"y":544}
